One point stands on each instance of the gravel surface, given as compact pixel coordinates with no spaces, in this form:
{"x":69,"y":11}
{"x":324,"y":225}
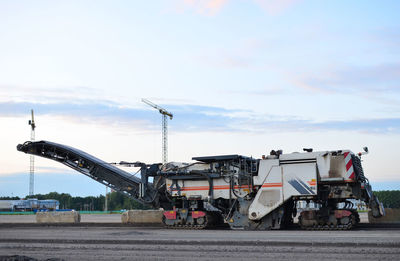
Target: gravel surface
{"x":133,"y":243}
{"x":103,"y":237}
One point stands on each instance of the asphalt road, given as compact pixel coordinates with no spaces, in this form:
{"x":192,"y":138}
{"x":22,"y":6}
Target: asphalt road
{"x":138,"y":243}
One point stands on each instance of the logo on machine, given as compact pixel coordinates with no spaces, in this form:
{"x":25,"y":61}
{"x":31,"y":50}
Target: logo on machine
{"x":300,"y":186}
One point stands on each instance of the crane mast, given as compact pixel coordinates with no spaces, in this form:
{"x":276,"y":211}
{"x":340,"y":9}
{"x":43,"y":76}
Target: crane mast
{"x":32,"y":159}
{"x":165,"y":115}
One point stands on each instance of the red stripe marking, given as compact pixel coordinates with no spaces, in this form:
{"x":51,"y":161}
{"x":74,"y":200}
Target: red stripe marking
{"x":345,"y":154}
{"x":351,"y":176}
{"x":197,"y":214}
{"x":349,"y":164}
{"x":170,"y":214}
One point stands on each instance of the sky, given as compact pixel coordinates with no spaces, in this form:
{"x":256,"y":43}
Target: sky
{"x":240,"y":76}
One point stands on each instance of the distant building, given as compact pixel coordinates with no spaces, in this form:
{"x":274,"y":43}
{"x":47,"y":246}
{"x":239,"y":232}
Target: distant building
{"x":31,"y":204}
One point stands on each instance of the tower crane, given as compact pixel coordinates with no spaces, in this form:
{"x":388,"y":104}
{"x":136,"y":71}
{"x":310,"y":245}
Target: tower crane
{"x":32,"y":159}
{"x":165,"y":114}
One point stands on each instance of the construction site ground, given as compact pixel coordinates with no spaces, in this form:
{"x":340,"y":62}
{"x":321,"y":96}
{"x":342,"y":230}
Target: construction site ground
{"x":103,"y":237}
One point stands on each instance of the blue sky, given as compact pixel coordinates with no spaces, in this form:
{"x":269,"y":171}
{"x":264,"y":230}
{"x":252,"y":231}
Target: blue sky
{"x":243,"y":76}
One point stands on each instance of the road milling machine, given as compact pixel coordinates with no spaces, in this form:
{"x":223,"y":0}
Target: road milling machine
{"x":245,"y":192}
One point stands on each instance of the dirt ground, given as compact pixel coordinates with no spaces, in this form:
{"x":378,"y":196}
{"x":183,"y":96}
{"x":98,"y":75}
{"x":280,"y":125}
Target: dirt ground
{"x":112,"y":242}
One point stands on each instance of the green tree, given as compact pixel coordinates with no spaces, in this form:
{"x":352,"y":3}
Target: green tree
{"x":116,"y":201}
{"x":389,"y":198}
{"x":9,"y":198}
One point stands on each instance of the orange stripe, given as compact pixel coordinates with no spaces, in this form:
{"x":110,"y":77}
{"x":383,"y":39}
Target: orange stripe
{"x":220,"y":187}
{"x":270,"y":185}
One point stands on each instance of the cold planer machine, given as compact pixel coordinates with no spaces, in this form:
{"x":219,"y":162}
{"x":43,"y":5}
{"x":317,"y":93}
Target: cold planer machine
{"x":242,"y":191}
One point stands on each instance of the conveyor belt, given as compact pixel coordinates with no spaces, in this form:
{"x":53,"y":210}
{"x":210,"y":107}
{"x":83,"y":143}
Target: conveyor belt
{"x":88,"y":165}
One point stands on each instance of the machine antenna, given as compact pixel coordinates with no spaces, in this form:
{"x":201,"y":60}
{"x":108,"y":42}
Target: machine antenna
{"x":32,"y":158}
{"x":164,"y":113}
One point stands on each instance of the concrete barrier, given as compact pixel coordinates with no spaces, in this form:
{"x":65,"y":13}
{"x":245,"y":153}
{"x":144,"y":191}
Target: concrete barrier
{"x":392,"y":216}
{"x":142,"y":217}
{"x":58,"y":217}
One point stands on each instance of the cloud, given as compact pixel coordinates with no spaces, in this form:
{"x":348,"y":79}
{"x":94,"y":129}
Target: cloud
{"x":195,"y":118}
{"x":44,"y":94}
{"x":232,"y":60}
{"x":188,"y":117}
{"x":69,"y":181}
{"x":388,"y":36}
{"x":205,"y":7}
{"x":212,"y":7}
{"x":373,"y":79}
{"x":265,"y":91}
{"x":276,"y":7}
{"x":375,"y":126}
{"x":245,"y":53}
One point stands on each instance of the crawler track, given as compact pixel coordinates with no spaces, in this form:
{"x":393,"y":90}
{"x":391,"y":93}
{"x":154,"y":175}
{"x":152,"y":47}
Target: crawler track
{"x":353,"y":220}
{"x":210,"y":221}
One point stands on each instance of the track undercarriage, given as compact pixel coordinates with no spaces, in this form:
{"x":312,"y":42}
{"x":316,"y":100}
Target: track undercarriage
{"x":184,"y":218}
{"x":339,"y":219}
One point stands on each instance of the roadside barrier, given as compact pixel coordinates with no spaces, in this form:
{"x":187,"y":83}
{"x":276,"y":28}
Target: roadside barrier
{"x":58,"y":217}
{"x":392,"y":215}
{"x":142,"y":217}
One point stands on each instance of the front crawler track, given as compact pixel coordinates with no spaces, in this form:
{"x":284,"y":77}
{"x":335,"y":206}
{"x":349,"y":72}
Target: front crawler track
{"x":211,"y":219}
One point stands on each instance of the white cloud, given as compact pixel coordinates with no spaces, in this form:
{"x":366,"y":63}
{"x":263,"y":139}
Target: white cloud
{"x":276,"y":7}
{"x":212,"y":7}
{"x":205,"y":7}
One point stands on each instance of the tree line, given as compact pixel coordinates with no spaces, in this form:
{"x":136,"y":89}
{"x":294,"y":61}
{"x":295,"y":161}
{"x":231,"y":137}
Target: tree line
{"x":389,"y":198}
{"x":115,"y":201}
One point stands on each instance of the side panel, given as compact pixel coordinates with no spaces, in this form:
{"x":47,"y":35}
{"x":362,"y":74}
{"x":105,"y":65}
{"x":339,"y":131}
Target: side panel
{"x":281,"y":184}
{"x":299,"y":180}
{"x":336,"y":167}
{"x":264,"y":170}
{"x":188,"y":188}
{"x":201,"y":189}
{"x":269,"y":196}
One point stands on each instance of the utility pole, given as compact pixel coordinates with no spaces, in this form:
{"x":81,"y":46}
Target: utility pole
{"x":32,"y":159}
{"x":164,"y":113}
{"x":106,"y":201}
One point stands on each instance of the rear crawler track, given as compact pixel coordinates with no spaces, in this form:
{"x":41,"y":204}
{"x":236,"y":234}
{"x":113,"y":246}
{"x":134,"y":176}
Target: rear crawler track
{"x":340,"y":219}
